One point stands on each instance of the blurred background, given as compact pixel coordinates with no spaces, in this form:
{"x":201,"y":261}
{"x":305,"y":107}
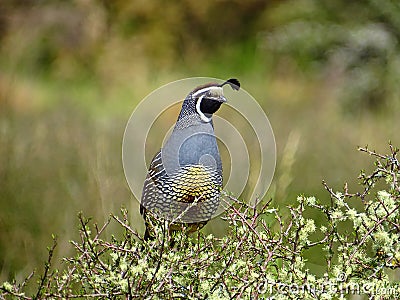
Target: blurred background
{"x":327,"y":74}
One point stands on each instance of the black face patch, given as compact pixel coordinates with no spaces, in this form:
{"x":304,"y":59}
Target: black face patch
{"x":209,"y":106}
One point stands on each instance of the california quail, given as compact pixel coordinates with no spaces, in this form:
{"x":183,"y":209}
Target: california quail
{"x":184,"y":180}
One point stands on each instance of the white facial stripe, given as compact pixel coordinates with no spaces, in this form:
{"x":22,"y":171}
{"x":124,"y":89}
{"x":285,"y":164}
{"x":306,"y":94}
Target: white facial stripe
{"x":215,"y":90}
{"x":202,"y":116}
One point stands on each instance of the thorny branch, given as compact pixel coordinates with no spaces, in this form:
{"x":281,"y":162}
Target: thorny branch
{"x":262,"y":246}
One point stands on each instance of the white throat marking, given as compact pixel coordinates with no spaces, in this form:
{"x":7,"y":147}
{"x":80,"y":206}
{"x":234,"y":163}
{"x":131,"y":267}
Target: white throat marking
{"x":202,"y":116}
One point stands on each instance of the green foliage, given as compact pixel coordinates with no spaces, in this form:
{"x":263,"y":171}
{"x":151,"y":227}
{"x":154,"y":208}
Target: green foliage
{"x":322,"y":37}
{"x":263,"y":253}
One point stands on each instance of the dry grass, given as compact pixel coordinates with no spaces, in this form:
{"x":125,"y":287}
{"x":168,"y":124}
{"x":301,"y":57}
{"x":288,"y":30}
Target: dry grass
{"x":63,"y":110}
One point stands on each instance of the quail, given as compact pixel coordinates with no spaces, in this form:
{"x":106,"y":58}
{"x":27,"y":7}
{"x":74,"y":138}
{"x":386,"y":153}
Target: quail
{"x":184,"y":180}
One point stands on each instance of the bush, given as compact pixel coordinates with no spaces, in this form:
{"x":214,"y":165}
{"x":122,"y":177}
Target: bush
{"x":262,"y":255}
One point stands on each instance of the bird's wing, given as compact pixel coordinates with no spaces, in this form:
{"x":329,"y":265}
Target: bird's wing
{"x":151,"y":188}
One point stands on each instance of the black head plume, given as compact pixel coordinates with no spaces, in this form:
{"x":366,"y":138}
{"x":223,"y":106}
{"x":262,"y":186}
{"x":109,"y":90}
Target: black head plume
{"x":233,"y":82}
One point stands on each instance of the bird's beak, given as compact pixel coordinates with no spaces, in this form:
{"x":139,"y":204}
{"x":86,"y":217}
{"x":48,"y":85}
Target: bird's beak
{"x":222,"y":99}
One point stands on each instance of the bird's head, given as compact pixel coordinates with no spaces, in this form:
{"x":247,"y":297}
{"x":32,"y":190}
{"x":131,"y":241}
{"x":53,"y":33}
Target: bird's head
{"x":208,"y":98}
